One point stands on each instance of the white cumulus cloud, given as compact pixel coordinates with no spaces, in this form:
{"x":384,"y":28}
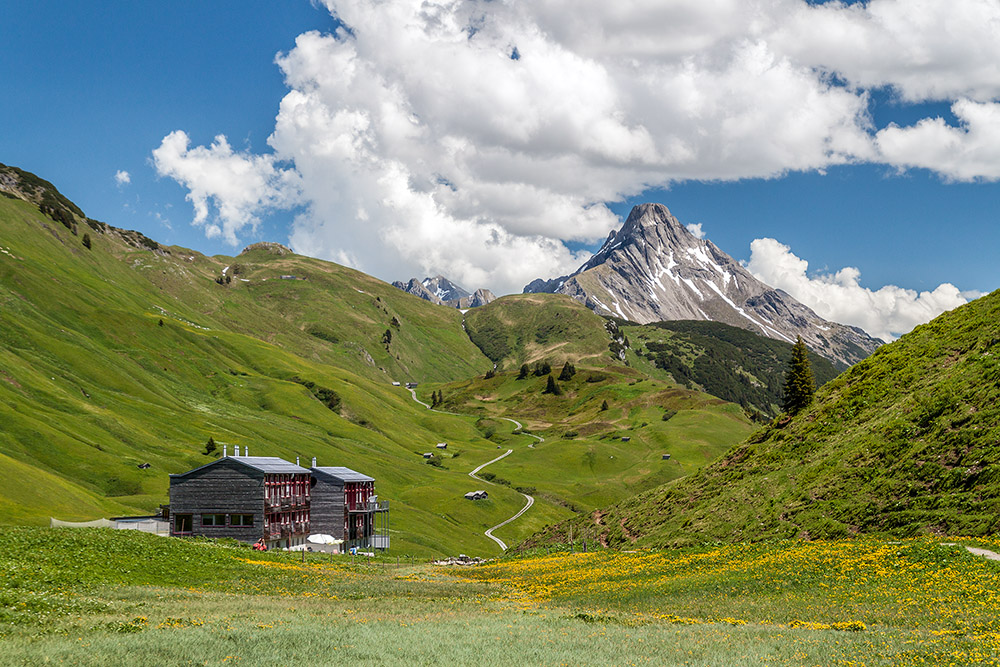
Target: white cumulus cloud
{"x":472,"y":138}
{"x":122,"y":178}
{"x":966,"y":153}
{"x":236,"y":187}
{"x":923,"y":49}
{"x":885,"y":313}
{"x":696,"y":230}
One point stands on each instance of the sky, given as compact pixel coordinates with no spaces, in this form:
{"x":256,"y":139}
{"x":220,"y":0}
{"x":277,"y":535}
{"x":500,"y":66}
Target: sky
{"x":847,"y":153}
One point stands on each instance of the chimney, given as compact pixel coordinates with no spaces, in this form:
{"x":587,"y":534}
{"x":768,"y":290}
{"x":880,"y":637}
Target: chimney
{"x":225,"y":451}
{"x":297,"y":461}
{"x":314,"y":462}
{"x":246,"y":450}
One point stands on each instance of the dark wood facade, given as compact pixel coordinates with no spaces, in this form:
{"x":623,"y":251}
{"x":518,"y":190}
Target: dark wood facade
{"x":327,"y":508}
{"x":252,"y":497}
{"x":245,"y":498}
{"x":346,"y":507}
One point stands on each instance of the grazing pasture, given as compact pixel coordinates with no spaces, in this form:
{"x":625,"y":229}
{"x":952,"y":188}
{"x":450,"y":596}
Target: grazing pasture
{"x":94,"y":596}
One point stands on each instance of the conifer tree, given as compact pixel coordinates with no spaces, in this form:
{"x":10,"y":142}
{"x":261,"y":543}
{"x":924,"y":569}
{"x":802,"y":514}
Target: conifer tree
{"x":604,"y":406}
{"x":552,"y":388}
{"x":523,"y":372}
{"x":209,"y":446}
{"x":799,"y":384}
{"x":568,"y":371}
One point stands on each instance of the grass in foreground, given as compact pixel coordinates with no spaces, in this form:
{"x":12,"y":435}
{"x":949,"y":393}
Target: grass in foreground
{"x":104,"y":597}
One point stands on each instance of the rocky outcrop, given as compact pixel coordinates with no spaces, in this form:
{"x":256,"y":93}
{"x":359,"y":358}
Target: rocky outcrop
{"x":268,"y":247}
{"x":654,"y":269}
{"x":443,"y":292}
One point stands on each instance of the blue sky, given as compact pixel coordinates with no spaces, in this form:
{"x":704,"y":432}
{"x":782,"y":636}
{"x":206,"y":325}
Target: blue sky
{"x":455,"y":168}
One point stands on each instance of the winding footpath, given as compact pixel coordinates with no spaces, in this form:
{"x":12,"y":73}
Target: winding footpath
{"x":517,"y":424}
{"x":529,"y":499}
{"x":527,"y":505}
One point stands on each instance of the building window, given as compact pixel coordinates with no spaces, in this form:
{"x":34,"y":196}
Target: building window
{"x":241,"y":520}
{"x":182,"y":523}
{"x":213,"y":519}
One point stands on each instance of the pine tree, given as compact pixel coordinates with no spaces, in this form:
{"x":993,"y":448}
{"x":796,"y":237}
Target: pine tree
{"x":209,"y":446}
{"x":799,"y":384}
{"x":490,"y":374}
{"x":552,"y":388}
{"x":524,"y":372}
{"x":604,"y":406}
{"x":567,"y":373}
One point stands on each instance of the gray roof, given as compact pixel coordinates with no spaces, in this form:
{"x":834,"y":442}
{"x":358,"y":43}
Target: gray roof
{"x":343,"y":474}
{"x":265,"y":464}
{"x":270,"y":464}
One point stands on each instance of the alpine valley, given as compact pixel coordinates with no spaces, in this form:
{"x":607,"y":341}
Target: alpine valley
{"x":717,"y":530}
{"x":119,"y":352}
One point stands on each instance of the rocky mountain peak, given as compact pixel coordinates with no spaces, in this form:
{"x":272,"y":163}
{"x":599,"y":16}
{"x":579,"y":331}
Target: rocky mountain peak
{"x":444,"y":289}
{"x":444,"y":292}
{"x":654,"y":269}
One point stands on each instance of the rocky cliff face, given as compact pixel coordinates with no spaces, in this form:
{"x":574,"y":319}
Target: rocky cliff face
{"x":443,"y":292}
{"x":654,"y":269}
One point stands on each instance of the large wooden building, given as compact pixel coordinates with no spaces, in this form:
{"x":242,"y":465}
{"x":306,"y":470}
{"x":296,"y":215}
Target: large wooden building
{"x":346,"y":507}
{"x":253,"y":497}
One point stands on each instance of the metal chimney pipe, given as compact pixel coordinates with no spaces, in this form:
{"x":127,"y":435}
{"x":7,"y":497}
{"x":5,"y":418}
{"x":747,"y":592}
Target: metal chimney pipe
{"x":246,"y":450}
{"x":314,"y":462}
{"x":297,"y":461}
{"x":225,"y":451}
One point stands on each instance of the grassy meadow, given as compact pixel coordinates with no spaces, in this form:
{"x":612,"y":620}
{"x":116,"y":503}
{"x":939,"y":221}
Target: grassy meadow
{"x":603,"y":454}
{"x":102,"y":597}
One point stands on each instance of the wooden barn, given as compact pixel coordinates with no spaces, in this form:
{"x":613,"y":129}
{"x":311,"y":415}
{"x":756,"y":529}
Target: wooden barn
{"x":345,"y":506}
{"x":243,"y":497}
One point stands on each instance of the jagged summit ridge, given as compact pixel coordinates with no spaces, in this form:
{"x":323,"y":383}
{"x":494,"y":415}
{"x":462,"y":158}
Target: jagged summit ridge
{"x":654,"y":269}
{"x":444,"y":292}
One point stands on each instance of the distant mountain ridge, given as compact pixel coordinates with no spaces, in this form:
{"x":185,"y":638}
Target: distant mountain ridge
{"x":654,"y":270}
{"x":443,"y":292}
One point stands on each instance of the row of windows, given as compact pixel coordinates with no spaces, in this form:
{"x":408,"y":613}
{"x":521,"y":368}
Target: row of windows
{"x":286,"y":518}
{"x":220,"y":519}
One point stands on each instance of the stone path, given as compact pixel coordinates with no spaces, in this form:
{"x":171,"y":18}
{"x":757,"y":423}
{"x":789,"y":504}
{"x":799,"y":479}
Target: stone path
{"x":975,"y":551}
{"x":986,"y":553}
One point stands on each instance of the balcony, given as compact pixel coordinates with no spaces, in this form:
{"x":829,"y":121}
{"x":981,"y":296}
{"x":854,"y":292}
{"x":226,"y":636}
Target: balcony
{"x":379,"y":506}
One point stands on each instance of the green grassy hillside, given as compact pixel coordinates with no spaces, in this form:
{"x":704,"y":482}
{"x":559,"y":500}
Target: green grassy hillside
{"x":604,"y":435}
{"x":905,"y":442}
{"x":128,"y":353}
{"x":523,"y":328}
{"x":116,"y":351}
{"x":732,"y":363}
